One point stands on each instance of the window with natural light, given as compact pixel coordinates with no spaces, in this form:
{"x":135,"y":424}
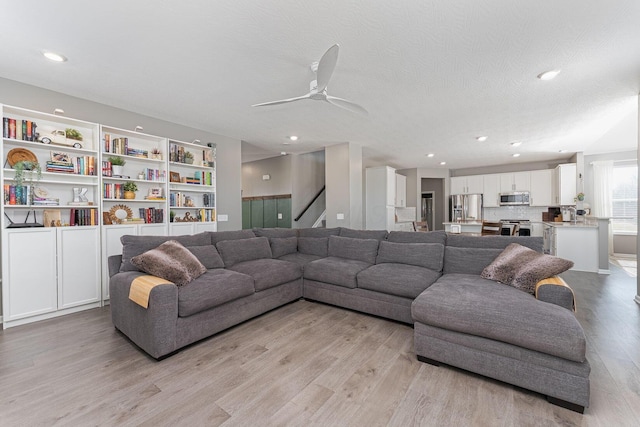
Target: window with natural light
{"x":625,"y":198}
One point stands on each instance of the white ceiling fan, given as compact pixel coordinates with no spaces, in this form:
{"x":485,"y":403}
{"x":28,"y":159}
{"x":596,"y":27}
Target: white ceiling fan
{"x":318,"y":87}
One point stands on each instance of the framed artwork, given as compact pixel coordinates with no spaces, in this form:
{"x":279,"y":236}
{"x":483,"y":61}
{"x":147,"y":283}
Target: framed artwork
{"x":174,"y":177}
{"x":155,"y":192}
{"x":57,"y":156}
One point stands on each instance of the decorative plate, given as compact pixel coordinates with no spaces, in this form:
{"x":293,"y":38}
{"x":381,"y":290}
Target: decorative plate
{"x":16,"y":155}
{"x":118,"y":213}
{"x":41,"y":192}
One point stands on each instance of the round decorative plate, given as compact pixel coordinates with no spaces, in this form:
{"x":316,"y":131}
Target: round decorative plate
{"x":41,"y":192}
{"x":16,"y":155}
{"x":118,"y":213}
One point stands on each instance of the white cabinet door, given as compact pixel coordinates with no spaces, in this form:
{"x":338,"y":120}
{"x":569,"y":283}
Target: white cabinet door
{"x":506,"y":182}
{"x":566,"y":175}
{"x":78,"y":266}
{"x":180,"y":228}
{"x":401,"y":191}
{"x":542,"y":188}
{"x":200,"y":227}
{"x":522,"y":181}
{"x":458,"y":185}
{"x":491,"y":196}
{"x":391,"y":186}
{"x":29,"y":270}
{"x":475,"y":184}
{"x":111,"y":245}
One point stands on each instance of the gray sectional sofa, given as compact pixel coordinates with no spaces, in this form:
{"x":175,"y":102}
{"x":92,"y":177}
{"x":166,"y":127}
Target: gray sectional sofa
{"x":430,"y":280}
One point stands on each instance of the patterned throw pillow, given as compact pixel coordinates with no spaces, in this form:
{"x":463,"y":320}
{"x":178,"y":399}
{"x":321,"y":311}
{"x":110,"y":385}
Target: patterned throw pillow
{"x":522,"y":268}
{"x":172,"y":262}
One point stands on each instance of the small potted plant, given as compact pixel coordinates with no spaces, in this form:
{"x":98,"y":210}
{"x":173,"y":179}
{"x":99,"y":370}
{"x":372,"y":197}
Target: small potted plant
{"x":130,"y":189}
{"x":26,"y":166}
{"x":188,"y":157}
{"x":117,"y":165}
{"x":73,"y":134}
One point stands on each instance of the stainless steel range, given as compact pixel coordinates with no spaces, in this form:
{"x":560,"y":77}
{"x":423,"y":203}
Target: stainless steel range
{"x":515,"y":227}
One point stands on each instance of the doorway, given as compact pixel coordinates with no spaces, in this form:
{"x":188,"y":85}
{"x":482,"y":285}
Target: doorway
{"x":427,"y":209}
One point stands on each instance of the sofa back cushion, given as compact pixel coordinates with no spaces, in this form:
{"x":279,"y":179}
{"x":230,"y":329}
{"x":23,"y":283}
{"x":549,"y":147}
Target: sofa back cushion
{"x":136,"y":245}
{"x":427,"y":255}
{"x":493,"y":242}
{"x":275,"y":232}
{"x":219,"y":236}
{"x":364,"y":250}
{"x":283,"y":246}
{"x":318,"y":232}
{"x":414,"y":237}
{"x":239,"y":250}
{"x":318,"y":246}
{"x":208,"y":255}
{"x":363,"y":234}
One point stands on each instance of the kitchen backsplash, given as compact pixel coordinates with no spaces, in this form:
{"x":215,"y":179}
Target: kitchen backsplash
{"x":532,"y":213}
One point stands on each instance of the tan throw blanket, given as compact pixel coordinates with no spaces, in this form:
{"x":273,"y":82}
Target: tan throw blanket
{"x":141,"y":288}
{"x":558,"y":281}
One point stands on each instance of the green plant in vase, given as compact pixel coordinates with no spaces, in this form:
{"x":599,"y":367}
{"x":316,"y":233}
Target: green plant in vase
{"x":130,"y":189}
{"x":188,"y":157}
{"x":117,"y":165}
{"x":24,"y":171}
{"x":73,"y":134}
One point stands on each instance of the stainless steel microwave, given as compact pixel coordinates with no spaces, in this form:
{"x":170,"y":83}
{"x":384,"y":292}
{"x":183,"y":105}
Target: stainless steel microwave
{"x":515,"y":198}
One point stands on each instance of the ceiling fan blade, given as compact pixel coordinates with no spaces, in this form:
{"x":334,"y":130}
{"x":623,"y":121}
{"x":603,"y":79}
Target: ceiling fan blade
{"x":283,"y":101}
{"x":326,"y":65}
{"x":347,"y":105}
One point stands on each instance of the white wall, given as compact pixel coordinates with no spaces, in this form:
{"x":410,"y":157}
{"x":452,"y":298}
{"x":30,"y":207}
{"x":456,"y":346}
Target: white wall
{"x":279,"y":170}
{"x":308,"y":177}
{"x":229,"y":177}
{"x":343,"y":177}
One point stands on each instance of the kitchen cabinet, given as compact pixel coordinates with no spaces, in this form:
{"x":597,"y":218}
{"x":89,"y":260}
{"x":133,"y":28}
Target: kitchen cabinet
{"x":401,"y":191}
{"x":565,"y":184}
{"x":542,"y":188}
{"x":576,"y":242}
{"x":380,"y":198}
{"x":491,"y":193}
{"x":473,"y":184}
{"x":516,"y":181}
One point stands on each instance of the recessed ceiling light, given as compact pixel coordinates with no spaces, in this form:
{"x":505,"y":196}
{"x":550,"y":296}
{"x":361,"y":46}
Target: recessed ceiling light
{"x":516,"y":155}
{"x":562,"y":151}
{"x":283,"y":153}
{"x":516,"y":143}
{"x":56,"y":57}
{"x":430,"y":155}
{"x":443,"y":163}
{"x":293,"y":138}
{"x":481,"y":138}
{"x":548,"y":75}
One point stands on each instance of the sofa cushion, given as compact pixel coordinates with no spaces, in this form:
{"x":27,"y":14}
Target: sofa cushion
{"x":467,"y":260}
{"x":522,"y":267}
{"x":219,"y":236}
{"x":275,"y":232}
{"x":318,"y":232}
{"x":364,"y":250}
{"x":336,"y":271}
{"x":427,"y":255}
{"x":300,"y":258}
{"x":170,"y":261}
{"x":283,"y":246}
{"x":208,"y":255}
{"x":476,"y":306}
{"x":239,"y":250}
{"x":363,"y":234}
{"x":135,"y":245}
{"x":397,"y":279}
{"x":268,"y":273}
{"x":213,"y":288}
{"x":413,"y":237}
{"x":493,"y":242}
{"x":314,"y":246}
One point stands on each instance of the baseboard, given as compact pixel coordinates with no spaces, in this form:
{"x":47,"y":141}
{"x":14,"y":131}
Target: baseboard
{"x":604,"y":271}
{"x":637,"y":299}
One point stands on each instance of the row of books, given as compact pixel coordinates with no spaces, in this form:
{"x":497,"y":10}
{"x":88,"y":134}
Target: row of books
{"x":202,"y":215}
{"x":83,"y":216}
{"x":112,"y":191}
{"x":115,"y":145}
{"x":82,"y":165}
{"x":24,"y":130}
{"x":176,"y":153}
{"x":152,"y":215}
{"x":17,"y":194}
{"x":180,"y":199}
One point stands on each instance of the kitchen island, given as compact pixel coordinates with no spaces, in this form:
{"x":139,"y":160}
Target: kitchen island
{"x":469,"y":226}
{"x":580,"y":242}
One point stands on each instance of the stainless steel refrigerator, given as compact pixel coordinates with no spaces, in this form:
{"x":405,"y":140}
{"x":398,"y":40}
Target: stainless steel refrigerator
{"x":465,"y":207}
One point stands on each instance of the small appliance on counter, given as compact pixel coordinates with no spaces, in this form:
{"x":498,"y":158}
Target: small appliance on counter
{"x":568,"y":214}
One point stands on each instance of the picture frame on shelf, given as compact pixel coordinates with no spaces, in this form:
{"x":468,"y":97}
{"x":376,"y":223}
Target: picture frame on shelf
{"x":155,"y":192}
{"x":60,"y":157}
{"x":174,"y":177}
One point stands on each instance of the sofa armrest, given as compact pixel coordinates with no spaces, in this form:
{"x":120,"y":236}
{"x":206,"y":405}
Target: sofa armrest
{"x":556,"y":291}
{"x":154,"y":328}
{"x":113,"y":263}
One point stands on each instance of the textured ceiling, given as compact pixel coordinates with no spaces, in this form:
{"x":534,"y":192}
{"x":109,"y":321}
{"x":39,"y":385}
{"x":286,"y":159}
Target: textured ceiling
{"x":432,"y":74}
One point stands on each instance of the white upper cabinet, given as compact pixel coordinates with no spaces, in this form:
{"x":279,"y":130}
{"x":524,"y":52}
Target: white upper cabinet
{"x":542,"y":187}
{"x":565,"y":184}
{"x":516,"y":181}
{"x":491,"y":192}
{"x":472,"y":184}
{"x":401,"y":191}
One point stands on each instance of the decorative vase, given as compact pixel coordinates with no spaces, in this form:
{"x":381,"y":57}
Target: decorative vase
{"x":117,"y":170}
{"x":129,"y":195}
{"x":188,"y":160}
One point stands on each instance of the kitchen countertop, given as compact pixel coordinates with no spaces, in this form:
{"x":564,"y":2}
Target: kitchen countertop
{"x":467,"y":222}
{"x":587,"y":224}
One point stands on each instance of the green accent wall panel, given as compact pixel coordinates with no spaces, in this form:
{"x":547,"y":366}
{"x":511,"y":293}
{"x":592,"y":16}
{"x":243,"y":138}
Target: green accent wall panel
{"x":246,"y":214}
{"x":257,"y":208}
{"x":284,"y":208}
{"x":270,"y":214}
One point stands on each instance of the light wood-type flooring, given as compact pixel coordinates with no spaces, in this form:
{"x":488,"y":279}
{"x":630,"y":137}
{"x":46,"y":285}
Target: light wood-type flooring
{"x":303,"y":364}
